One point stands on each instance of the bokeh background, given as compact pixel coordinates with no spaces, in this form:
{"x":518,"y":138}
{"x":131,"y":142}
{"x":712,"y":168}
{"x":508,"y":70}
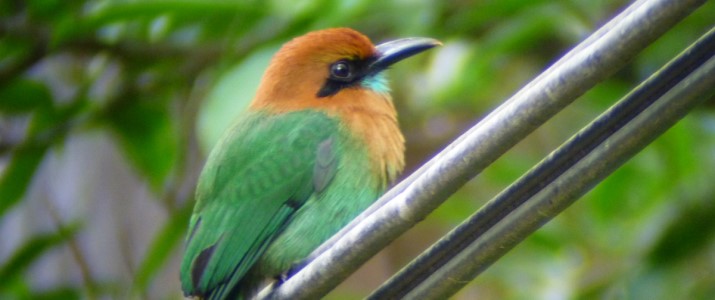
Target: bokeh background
{"x":108,"y":109}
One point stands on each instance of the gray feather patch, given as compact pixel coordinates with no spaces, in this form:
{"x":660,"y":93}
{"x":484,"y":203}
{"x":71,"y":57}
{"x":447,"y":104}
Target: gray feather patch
{"x":326,"y":164}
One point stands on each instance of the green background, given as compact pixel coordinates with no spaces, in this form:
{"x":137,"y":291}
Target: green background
{"x":108,"y":108}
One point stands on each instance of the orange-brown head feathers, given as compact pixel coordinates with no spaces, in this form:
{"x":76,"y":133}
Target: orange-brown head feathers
{"x":301,"y":67}
{"x":322,"y":64}
{"x":339,"y":71}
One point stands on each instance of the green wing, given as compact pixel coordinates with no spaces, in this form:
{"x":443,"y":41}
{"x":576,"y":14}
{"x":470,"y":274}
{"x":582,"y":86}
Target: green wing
{"x":258,"y":175}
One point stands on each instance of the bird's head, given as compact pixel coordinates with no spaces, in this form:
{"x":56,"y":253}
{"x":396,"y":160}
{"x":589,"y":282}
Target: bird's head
{"x":322,"y":67}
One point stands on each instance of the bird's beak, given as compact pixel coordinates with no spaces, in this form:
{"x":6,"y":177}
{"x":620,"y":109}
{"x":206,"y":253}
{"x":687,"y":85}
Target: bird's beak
{"x":391,"y":52}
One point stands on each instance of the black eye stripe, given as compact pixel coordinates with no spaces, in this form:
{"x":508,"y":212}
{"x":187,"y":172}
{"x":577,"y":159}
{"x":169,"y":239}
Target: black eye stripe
{"x":342,"y":74}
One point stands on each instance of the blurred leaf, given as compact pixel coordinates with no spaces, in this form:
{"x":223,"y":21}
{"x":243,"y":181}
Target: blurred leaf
{"x":230,"y":96}
{"x":216,"y":17}
{"x":48,"y":126}
{"x":607,"y":196}
{"x":148,"y":136}
{"x":46,"y":8}
{"x":6,"y":8}
{"x":32,"y":250}
{"x":691,"y":232}
{"x":161,"y":247}
{"x":18,"y":174}
{"x":13,"y":51}
{"x":676,"y":147}
{"x":22,"y":95}
{"x":127,"y":10}
{"x":481,"y":15}
{"x":18,"y":288}
{"x":64,"y":293}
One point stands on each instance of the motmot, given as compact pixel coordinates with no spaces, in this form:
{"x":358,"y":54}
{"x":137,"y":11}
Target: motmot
{"x":317,"y":145}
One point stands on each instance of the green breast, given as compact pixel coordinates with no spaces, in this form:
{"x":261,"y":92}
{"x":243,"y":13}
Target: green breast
{"x":352,"y":189}
{"x":272,"y":190}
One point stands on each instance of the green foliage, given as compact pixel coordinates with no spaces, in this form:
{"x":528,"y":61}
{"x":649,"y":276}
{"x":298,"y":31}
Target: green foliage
{"x":17,"y":175}
{"x":161,"y":80}
{"x":30,"y":251}
{"x":148,"y":136}
{"x":22,"y":96}
{"x":223,"y":104}
{"x":691,"y":232}
{"x":65,"y":293}
{"x":164,"y":243}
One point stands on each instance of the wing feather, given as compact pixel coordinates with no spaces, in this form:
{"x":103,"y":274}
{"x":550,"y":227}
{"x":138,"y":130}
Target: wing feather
{"x":253,"y":182}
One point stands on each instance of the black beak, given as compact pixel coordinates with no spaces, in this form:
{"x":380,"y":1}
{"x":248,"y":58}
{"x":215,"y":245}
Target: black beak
{"x":393,"y":51}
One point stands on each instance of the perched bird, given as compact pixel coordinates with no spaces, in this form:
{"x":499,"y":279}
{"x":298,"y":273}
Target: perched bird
{"x":319,"y":143}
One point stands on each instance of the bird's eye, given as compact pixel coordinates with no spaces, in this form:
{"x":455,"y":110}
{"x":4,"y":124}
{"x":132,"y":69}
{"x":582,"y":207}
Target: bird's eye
{"x":341,"y":70}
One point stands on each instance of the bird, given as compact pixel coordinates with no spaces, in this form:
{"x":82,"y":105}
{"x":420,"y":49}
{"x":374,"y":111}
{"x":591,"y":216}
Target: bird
{"x":318,"y":144}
